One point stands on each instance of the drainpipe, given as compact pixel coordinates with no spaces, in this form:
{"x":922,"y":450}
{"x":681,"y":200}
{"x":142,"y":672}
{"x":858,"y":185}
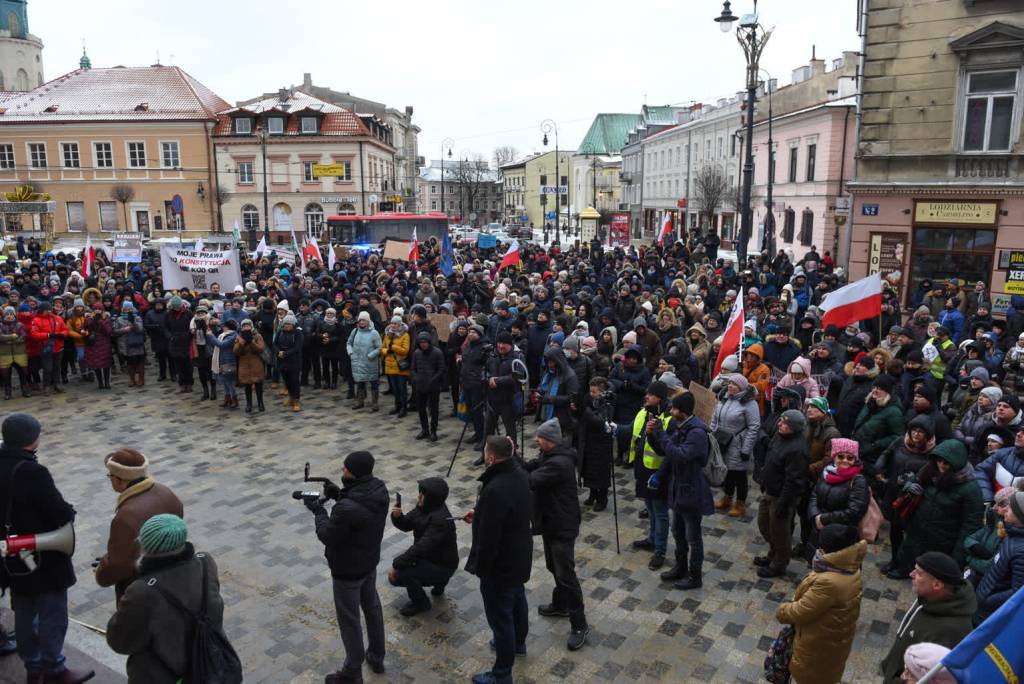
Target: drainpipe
{"x":862,"y":25}
{"x":842,"y":177}
{"x":362,"y":178}
{"x":215,"y":190}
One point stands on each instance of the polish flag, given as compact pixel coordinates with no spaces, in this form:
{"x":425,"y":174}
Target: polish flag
{"x":332,"y":258}
{"x":261,"y":248}
{"x":731,"y":336}
{"x":854,"y":302}
{"x":88,"y":257}
{"x":1003,"y":478}
{"x":310,"y":251}
{"x":511,"y":257}
{"x":414,"y":248}
{"x":666,"y":228}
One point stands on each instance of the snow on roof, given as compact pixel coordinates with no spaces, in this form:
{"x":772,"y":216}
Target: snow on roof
{"x":336,"y":119}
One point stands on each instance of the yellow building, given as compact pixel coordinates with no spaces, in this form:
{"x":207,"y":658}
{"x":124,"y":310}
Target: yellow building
{"x":531,"y":175}
{"x":113,"y":147}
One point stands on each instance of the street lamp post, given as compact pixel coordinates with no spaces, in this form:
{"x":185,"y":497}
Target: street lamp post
{"x":769,"y":221}
{"x":752,"y":37}
{"x":261,"y":132}
{"x":548,"y":126}
{"x":447,"y":143}
{"x":590,"y":153}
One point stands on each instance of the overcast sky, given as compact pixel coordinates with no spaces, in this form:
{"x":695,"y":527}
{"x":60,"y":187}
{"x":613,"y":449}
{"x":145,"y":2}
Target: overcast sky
{"x":482,"y":73}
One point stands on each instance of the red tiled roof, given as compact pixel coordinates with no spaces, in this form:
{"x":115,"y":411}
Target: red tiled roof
{"x":336,"y":119}
{"x":156,"y":93}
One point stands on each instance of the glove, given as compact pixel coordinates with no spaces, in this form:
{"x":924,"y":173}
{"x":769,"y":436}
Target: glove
{"x":332,"y":491}
{"x":52,"y":336}
{"x":609,"y":427}
{"x":913,"y":488}
{"x":654,"y":481}
{"x":314,"y":505}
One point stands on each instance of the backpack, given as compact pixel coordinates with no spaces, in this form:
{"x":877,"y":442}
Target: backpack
{"x":715,"y":469}
{"x":212,"y":659}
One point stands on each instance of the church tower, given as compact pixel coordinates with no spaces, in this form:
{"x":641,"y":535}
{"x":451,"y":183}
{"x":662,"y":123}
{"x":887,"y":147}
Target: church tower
{"x":21,"y":53}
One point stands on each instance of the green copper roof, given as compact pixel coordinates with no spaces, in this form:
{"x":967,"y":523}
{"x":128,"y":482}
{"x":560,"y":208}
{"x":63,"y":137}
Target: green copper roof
{"x":608,"y":133}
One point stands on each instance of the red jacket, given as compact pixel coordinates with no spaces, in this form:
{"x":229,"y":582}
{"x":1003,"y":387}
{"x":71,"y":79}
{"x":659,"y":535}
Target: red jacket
{"x":43,"y":325}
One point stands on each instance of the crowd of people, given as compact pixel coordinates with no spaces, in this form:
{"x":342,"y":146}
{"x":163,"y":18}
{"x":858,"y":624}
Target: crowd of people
{"x":914,"y":416}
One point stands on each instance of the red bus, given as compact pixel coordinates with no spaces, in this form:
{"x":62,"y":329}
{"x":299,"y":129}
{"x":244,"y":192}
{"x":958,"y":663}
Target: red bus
{"x":370,"y":232}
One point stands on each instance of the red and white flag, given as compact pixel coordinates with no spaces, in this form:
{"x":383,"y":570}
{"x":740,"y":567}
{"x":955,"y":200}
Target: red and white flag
{"x":511,"y":257}
{"x":854,"y":302}
{"x":88,"y":257}
{"x":731,"y":336}
{"x":310,"y":251}
{"x":332,"y":258}
{"x":666,"y":228}
{"x":414,"y":248}
{"x":1004,"y":478}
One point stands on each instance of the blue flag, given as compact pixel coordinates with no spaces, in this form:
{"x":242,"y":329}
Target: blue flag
{"x":994,"y":652}
{"x":446,"y":255}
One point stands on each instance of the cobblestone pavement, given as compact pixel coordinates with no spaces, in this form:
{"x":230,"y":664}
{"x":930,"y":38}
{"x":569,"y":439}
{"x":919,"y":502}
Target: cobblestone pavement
{"x":236,"y":472}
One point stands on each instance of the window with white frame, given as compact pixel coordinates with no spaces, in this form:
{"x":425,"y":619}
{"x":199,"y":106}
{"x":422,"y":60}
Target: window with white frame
{"x":243,"y":126}
{"x":245,"y":173}
{"x":6,"y":156}
{"x":137,"y":155}
{"x":76,"y":216}
{"x":71,"y":157}
{"x":108,"y":216}
{"x":37,"y":155}
{"x":309,"y":124}
{"x":347,"y":171}
{"x":103,"y":155}
{"x":170,"y":155}
{"x":250,"y":217}
{"x":314,"y":215}
{"x":990,"y":99}
{"x":307,"y":172}
{"x":275,"y":125}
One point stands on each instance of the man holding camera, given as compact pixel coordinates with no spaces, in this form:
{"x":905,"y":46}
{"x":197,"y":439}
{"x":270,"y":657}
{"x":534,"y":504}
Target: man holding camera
{"x":351,"y":536}
{"x":434,"y":556}
{"x":31,"y":504}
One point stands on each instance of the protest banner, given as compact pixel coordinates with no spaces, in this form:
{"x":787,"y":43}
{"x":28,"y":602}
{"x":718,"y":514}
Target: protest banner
{"x":185,"y":267}
{"x":127,"y":248}
{"x":442,"y":322}
{"x":396,"y":249}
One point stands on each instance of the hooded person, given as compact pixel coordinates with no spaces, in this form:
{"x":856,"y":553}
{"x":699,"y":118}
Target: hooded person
{"x":557,"y":389}
{"x":700,"y":347}
{"x":363,"y":347}
{"x":879,"y":422}
{"x":735,"y":424}
{"x":428,"y":375}
{"x":799,"y":373}
{"x":434,"y":555}
{"x":854,"y":392}
{"x":648,"y":341}
{"x":629,"y":379}
{"x":783,"y":481}
{"x":757,"y":373}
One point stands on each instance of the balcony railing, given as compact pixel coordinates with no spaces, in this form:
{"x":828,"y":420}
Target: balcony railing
{"x":985,"y":167}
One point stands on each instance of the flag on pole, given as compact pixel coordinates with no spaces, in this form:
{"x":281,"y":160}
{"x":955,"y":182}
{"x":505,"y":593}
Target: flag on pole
{"x":666,"y":228}
{"x":447,"y":256}
{"x":236,"y":233}
{"x":298,"y":251}
{"x":994,"y":652}
{"x":414,"y":248}
{"x":511,"y":257}
{"x":732,"y":336}
{"x":310,"y":251}
{"x":200,"y":244}
{"x":88,"y":256}
{"x":261,"y":248}
{"x":332,"y":258}
{"x":854,"y":302}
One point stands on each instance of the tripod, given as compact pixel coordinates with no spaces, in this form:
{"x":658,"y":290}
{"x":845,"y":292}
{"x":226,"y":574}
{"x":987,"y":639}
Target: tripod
{"x":465,"y":426}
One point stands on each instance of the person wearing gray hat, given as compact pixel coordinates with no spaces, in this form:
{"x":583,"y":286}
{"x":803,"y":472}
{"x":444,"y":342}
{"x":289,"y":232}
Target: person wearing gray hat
{"x":288,"y":345}
{"x":556,"y":517}
{"x":1003,"y":577}
{"x":783,"y":481}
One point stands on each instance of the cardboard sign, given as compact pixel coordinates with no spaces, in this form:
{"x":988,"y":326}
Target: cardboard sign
{"x":379,"y":306}
{"x":184,"y":267}
{"x":442,"y":322}
{"x":704,"y":402}
{"x":396,"y":249}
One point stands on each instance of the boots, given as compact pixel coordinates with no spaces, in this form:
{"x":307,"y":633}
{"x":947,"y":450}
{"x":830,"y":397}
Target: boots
{"x":677,"y":572}
{"x":296,"y":407}
{"x":7,"y":392}
{"x":692,"y":581}
{"x":206,"y":390}
{"x":227,"y":402}
{"x":213,"y":390}
{"x":723,"y":503}
{"x":738,"y":509}
{"x":259,"y":402}
{"x":248,"y":400}
{"x":142,"y":375}
{"x":601,"y":501}
{"x":131,"y":377}
{"x":374,"y":399}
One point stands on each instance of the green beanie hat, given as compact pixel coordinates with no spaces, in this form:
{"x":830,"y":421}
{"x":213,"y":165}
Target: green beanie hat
{"x":820,"y":403}
{"x":163,"y":534}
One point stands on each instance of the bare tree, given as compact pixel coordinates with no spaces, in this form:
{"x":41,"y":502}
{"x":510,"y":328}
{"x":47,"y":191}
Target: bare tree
{"x":710,"y":190}
{"x":472,"y":177}
{"x":124,"y":194}
{"x":504,"y":154}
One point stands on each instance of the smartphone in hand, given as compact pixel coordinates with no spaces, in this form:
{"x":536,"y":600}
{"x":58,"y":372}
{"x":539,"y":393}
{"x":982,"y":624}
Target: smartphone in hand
{"x":398,"y":499}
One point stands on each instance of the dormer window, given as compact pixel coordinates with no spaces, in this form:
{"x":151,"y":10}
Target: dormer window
{"x":275,"y":125}
{"x":243,"y":126}
{"x":309,"y":124}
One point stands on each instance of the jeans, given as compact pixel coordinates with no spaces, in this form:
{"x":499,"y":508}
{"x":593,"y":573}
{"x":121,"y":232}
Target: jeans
{"x":508,"y":617}
{"x":399,"y":385}
{"x":349,"y":597}
{"x":423,"y":574}
{"x":689,"y":541}
{"x":658,"y":524}
{"x":561,"y":562}
{"x":40,"y":623}
{"x":228,"y":381}
{"x":776,"y":526}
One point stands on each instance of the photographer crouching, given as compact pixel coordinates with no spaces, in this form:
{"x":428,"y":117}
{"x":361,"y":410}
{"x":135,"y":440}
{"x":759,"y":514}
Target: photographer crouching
{"x":351,"y":536}
{"x":434,"y":556}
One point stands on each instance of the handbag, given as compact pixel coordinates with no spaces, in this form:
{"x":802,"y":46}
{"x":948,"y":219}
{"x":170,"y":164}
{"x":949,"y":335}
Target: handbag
{"x":776,"y":663}
{"x":871,"y":520}
{"x":724,"y":438}
{"x":267,"y":355}
{"x":403,"y":364}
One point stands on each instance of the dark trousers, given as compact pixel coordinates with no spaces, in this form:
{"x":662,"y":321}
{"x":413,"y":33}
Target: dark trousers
{"x":183,"y":365}
{"x":291,"y":381}
{"x":776,"y":526}
{"x":50,"y":363}
{"x":331,"y":369}
{"x":351,"y":596}
{"x":736,"y":481}
{"x":428,"y":399}
{"x":163,"y":363}
{"x":507,"y":414}
{"x":399,"y":386}
{"x":40,"y":623}
{"x":310,"y":361}
{"x":689,"y":540}
{"x":474,"y":398}
{"x":806,"y":525}
{"x":560,"y":560}
{"x":423,"y":574}
{"x":508,"y":617}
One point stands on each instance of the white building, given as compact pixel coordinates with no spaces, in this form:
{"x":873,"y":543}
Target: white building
{"x":21,"y":53}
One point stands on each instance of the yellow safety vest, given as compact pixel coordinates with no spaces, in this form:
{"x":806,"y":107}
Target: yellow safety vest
{"x":652,"y":461}
{"x":938,"y":365}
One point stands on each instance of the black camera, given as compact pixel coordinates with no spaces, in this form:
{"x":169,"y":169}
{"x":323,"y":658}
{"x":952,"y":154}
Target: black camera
{"x":330,"y":490}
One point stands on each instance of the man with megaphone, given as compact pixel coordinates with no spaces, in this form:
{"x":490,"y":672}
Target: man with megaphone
{"x":36,"y":543}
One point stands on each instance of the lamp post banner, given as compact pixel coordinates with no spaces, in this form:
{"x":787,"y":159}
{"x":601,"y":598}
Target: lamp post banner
{"x":199,"y":270}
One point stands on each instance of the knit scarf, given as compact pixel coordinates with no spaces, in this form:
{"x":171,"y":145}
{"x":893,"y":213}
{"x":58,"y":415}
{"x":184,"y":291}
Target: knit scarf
{"x":135,"y":489}
{"x":548,"y":382}
{"x":835,"y":475}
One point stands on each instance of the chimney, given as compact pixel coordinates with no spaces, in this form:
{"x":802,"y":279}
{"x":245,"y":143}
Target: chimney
{"x":817,"y":65}
{"x":282,"y":95}
{"x":307,"y":80}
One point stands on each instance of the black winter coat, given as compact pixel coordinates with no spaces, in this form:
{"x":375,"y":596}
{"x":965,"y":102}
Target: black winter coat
{"x":334,"y":347}
{"x":434,"y":539}
{"x":508,"y":381}
{"x":556,"y":505}
{"x":629,"y":384}
{"x":596,"y":443}
{"x":353,"y":532}
{"x":428,"y":369}
{"x":843,"y":504}
{"x":502,"y":550}
{"x":289,"y":344}
{"x":785,"y":468}
{"x":471,"y":371}
{"x":851,"y":400}
{"x":154,"y":324}
{"x":176,"y":324}
{"x":37,"y":507}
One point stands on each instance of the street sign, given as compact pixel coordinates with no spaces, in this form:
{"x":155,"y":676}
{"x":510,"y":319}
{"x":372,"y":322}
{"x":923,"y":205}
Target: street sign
{"x":486,"y":241}
{"x":524,"y":219}
{"x":553,"y":190}
{"x":177,"y":204}
{"x":373,"y":199}
{"x":1015,"y":273}
{"x":550,"y":215}
{"x":843,"y":205}
{"x":869,"y":210}
{"x":681,"y":203}
{"x":321,"y":170}
{"x":472,"y":216}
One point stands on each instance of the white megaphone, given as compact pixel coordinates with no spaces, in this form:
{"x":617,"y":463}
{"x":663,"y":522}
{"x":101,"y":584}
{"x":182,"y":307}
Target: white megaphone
{"x":25,"y":545}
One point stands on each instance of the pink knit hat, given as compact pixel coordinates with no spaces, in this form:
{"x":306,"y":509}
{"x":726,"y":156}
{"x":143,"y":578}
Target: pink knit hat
{"x":841,"y":445}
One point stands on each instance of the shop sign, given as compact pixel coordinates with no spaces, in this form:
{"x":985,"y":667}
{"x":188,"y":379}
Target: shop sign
{"x":972,"y":213}
{"x":1015,"y":273}
{"x":887,"y":253}
{"x":618,"y":230}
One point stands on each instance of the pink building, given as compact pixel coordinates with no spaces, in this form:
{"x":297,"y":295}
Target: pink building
{"x":814,"y":150}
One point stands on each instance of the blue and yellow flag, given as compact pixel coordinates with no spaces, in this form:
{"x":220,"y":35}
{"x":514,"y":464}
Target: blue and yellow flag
{"x":994,"y":652}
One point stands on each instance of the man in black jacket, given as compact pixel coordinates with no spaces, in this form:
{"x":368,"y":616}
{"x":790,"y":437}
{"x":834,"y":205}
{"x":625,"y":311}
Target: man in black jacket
{"x":502,"y":554}
{"x":504,"y":388}
{"x":471,"y":380}
{"x":40,"y":596}
{"x":783,"y":481}
{"x":428,"y":373}
{"x":434,"y":556}
{"x":351,"y":537}
{"x":556,"y":517}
